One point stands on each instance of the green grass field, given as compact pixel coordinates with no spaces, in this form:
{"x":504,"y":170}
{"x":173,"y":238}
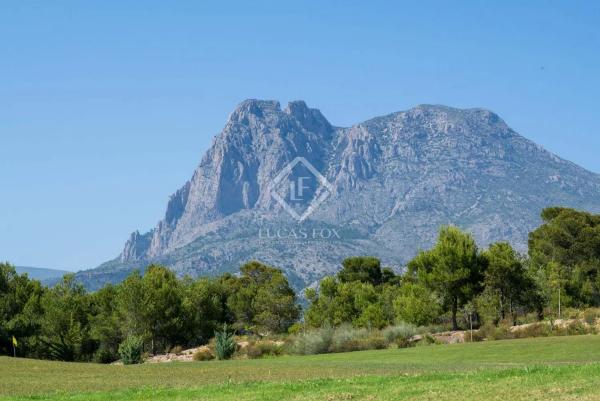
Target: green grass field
{"x":558,"y":368}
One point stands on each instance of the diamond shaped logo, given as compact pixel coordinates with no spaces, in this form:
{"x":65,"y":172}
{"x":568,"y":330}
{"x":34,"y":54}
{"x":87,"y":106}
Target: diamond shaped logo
{"x":299,"y":188}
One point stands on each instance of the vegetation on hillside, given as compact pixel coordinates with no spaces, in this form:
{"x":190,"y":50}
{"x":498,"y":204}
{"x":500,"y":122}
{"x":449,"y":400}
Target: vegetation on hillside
{"x":67,"y":323}
{"x":454,"y":284}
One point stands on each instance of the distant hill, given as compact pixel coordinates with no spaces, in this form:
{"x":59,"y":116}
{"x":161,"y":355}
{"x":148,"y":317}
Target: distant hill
{"x":42,"y":274}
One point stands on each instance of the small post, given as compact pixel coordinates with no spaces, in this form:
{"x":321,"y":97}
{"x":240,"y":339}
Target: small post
{"x":471,"y":324}
{"x":559,"y":302}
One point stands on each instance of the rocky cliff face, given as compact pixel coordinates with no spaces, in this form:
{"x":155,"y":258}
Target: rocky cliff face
{"x":393,"y":181}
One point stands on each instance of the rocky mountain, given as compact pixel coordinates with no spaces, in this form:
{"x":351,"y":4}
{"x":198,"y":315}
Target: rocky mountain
{"x":286,"y":187}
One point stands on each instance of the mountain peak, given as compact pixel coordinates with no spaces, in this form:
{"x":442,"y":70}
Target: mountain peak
{"x":254,"y":107}
{"x":311,"y":119}
{"x":395,"y":179}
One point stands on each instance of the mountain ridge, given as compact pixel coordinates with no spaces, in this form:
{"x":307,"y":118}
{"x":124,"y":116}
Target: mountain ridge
{"x":43,"y":274}
{"x":396,"y":179}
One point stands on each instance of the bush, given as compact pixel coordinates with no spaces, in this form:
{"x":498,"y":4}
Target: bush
{"x":433,"y":329}
{"x":131,"y":350}
{"x":104,"y":355}
{"x":531,"y":317}
{"x":262,"y":349}
{"x":347,"y":338}
{"x":400,"y":334}
{"x":224,"y":343}
{"x":570,"y":313}
{"x":576,"y":328}
{"x":203,"y":354}
{"x":428,"y":339}
{"x":491,"y":332}
{"x":295,"y":328}
{"x":375,"y":341}
{"x":590,"y":315}
{"x":539,"y":329}
{"x":312,"y":342}
{"x":475,"y":336}
{"x":176,"y":350}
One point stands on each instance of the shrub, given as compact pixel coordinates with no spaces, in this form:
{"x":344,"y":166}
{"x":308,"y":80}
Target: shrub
{"x":312,"y":342}
{"x":295,"y":328}
{"x":570,"y":313}
{"x":131,"y":350}
{"x":400,"y":334}
{"x":224,"y":343}
{"x":590,"y":315}
{"x":104,"y":355}
{"x":474,"y":336}
{"x":176,"y":350}
{"x":491,"y":332}
{"x":375,"y":341}
{"x":341,"y":339}
{"x":531,"y":317}
{"x":433,"y":329}
{"x":203,"y":354}
{"x":347,"y":338}
{"x":428,"y":339}
{"x":578,"y":328}
{"x":539,"y":329}
{"x":262,"y":349}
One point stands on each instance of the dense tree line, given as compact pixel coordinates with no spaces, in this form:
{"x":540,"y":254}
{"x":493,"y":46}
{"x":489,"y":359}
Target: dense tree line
{"x":439,"y":286}
{"x":455,"y":278}
{"x":68,"y":323}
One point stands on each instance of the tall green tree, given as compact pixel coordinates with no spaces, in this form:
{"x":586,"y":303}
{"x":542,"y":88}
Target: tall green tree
{"x":65,"y":329}
{"x":20,"y":310}
{"x":131,"y":308}
{"x":416,"y":304}
{"x":361,"y":294}
{"x":365,"y":269}
{"x":263,"y":299}
{"x":506,"y":277}
{"x":205,"y":305}
{"x":452,"y":269}
{"x":569,"y":241}
{"x":105,"y":325}
{"x":162,"y":307}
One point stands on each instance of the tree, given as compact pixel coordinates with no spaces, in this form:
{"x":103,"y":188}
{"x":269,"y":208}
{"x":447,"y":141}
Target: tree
{"x":264,"y":299}
{"x":365,"y":269}
{"x":568,"y":240}
{"x":416,"y":304}
{"x":162,"y":306}
{"x":20,"y":310}
{"x":105,"y":324}
{"x":130,"y":306}
{"x":372,"y":317}
{"x":356,"y":302}
{"x":64,"y":324}
{"x":205,"y":306}
{"x":452,"y":269}
{"x":505,"y":276}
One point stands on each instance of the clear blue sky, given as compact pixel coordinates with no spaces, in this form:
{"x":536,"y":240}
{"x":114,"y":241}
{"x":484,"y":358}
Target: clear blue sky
{"x":106,"y":107}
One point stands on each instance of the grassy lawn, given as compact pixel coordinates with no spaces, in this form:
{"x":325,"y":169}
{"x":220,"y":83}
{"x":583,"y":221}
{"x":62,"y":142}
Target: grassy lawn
{"x":558,"y":368}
